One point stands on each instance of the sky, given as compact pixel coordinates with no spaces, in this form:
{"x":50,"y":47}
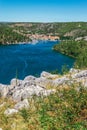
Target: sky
{"x":43,"y":10}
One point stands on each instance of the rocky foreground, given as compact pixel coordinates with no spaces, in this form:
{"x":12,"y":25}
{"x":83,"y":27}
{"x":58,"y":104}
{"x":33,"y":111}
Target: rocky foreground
{"x":21,"y":90}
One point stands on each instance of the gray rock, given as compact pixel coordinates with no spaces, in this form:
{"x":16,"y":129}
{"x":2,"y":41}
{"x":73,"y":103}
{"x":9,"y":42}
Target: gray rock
{"x":26,"y":92}
{"x":27,"y":83}
{"x":78,"y":38}
{"x":16,"y":82}
{"x":85,"y":38}
{"x":48,"y":75}
{"x":18,"y":90}
{"x":17,"y":95}
{"x":47,"y":92}
{"x":29,"y":78}
{"x":43,"y":82}
{"x":22,"y":104}
{"x":45,"y":74}
{"x":80,"y":74}
{"x":23,"y":89}
{"x":32,"y":90}
{"x":60,"y":81}
{"x":10,"y":111}
{"x":3,"y":90}
{"x":72,"y":70}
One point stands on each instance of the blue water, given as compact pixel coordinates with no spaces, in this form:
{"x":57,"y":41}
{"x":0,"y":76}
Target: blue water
{"x":30,"y":59}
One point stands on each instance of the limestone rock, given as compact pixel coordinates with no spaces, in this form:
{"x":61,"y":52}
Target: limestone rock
{"x":26,"y":92}
{"x":48,"y":75}
{"x":10,"y":111}
{"x":60,"y":81}
{"x":80,"y":74}
{"x":22,"y":104}
{"x":16,"y":96}
{"x":29,"y":78}
{"x":47,"y":92}
{"x":3,"y":90}
{"x":15,"y":82}
{"x":43,"y":82}
{"x":72,"y":70}
{"x":22,"y":89}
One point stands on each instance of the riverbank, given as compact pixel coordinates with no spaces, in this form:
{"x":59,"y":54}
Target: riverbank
{"x":75,"y":49}
{"x":25,"y":32}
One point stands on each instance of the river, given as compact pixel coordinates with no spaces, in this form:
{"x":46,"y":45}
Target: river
{"x":21,"y":60}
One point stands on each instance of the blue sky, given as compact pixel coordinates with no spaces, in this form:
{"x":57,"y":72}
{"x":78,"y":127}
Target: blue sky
{"x":43,"y":10}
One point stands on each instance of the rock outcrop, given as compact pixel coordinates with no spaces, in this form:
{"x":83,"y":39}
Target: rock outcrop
{"x":22,"y":104}
{"x":21,"y":90}
{"x":4,"y":89}
{"x":10,"y":111}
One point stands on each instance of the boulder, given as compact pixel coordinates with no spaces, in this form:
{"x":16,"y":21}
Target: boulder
{"x":47,"y":92}
{"x":60,"y":81}
{"x":27,"y":83}
{"x":3,"y":90}
{"x":48,"y":75}
{"x":72,"y":70}
{"x":26,"y":92}
{"x":17,"y":95}
{"x":43,"y":82}
{"x":80,"y":74}
{"x":30,"y":78}
{"x":10,"y":111}
{"x":16,"y":82}
{"x":32,"y":90}
{"x":22,"y":104}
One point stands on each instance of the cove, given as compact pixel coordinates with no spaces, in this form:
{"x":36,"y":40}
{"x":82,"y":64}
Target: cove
{"x":22,"y":60}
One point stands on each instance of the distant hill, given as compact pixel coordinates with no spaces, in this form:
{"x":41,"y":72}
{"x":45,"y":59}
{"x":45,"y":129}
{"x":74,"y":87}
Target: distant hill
{"x":22,"y":32}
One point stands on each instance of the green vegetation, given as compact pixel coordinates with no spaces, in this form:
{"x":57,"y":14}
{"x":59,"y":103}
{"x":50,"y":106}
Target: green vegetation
{"x":64,"y":110}
{"x":75,"y":49}
{"x":67,"y":108}
{"x":8,"y":35}
{"x":64,"y":30}
{"x":20,"y":32}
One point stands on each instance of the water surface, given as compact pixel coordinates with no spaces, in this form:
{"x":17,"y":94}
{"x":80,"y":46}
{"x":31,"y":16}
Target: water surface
{"x":30,"y":59}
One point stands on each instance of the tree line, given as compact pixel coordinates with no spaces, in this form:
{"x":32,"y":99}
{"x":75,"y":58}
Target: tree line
{"x":75,"y":49}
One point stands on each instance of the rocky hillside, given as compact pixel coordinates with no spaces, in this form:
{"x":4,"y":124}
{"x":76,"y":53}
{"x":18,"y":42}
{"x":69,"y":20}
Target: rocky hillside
{"x":22,"y":89}
{"x":9,"y":36}
{"x":34,"y":103}
{"x":25,"y":32}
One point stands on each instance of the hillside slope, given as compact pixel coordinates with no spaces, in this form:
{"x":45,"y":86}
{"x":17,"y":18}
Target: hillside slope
{"x":76,"y":49}
{"x":50,"y":102}
{"x":24,"y":32}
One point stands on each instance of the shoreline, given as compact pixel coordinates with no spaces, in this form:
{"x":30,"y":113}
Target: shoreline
{"x":32,"y":42}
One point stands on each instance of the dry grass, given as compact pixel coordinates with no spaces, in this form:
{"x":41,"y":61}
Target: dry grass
{"x":64,"y":110}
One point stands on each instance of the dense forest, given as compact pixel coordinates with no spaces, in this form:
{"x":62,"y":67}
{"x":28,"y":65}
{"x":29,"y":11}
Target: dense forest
{"x":75,"y":49}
